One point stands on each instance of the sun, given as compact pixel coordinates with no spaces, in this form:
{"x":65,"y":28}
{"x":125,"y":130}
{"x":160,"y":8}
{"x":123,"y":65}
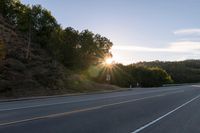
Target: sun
{"x":109,"y":61}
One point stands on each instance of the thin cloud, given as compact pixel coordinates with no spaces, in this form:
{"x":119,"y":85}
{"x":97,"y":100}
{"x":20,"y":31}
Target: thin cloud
{"x":187,"y":32}
{"x":137,"y":48}
{"x":185,"y":46}
{"x":177,"y":47}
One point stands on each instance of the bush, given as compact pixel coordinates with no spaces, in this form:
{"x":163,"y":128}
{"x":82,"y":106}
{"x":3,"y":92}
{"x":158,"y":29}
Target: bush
{"x":150,"y":76}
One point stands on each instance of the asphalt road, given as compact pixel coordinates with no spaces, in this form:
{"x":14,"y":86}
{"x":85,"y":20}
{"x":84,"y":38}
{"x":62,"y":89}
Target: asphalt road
{"x":145,"y":110}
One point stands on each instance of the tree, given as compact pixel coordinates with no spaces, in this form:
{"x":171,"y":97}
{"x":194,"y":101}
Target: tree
{"x":70,"y":48}
{"x":150,"y":76}
{"x":43,"y":25}
{"x":8,"y":10}
{"x":103,"y":46}
{"x":93,"y":48}
{"x":75,"y":50}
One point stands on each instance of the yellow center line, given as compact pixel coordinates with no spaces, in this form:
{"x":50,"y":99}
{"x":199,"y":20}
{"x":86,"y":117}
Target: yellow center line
{"x":83,"y":110}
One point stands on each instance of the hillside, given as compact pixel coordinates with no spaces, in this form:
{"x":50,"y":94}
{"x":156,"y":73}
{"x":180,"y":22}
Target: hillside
{"x":38,"y":75}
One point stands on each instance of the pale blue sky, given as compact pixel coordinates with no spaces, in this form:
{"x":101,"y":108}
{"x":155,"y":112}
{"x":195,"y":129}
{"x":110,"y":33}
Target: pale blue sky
{"x":141,"y":30}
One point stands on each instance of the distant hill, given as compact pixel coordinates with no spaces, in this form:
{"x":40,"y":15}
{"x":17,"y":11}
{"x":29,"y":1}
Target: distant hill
{"x":187,"y":71}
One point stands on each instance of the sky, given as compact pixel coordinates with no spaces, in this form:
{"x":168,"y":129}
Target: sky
{"x":141,"y":30}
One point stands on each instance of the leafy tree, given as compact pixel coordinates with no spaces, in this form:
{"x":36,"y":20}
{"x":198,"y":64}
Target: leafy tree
{"x":150,"y":76}
{"x":103,"y":46}
{"x":70,"y":48}
{"x":8,"y":9}
{"x":43,"y":25}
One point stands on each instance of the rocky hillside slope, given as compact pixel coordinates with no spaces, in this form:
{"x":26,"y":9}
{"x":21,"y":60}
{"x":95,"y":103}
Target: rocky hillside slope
{"x":38,"y":75}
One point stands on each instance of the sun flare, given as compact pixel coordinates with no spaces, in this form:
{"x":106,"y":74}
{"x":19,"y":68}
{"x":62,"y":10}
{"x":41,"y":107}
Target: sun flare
{"x":109,"y":61}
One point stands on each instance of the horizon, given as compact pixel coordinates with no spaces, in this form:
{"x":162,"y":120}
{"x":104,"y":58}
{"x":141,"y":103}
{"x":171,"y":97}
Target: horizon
{"x":140,"y":30}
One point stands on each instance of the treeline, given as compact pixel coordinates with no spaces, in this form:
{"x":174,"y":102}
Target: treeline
{"x":134,"y":76}
{"x":76,"y":50}
{"x":156,"y":73}
{"x":187,"y":71}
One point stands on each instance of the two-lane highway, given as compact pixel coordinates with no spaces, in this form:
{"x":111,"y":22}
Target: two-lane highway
{"x":146,"y":110}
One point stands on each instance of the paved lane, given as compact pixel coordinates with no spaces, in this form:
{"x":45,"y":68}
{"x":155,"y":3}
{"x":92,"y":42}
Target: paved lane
{"x":117,"y":112}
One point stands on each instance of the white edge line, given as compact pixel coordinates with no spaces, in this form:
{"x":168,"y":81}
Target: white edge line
{"x":196,"y":85}
{"x":158,"y":119}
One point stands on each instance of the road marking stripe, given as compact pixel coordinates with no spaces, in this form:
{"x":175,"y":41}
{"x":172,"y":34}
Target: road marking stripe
{"x":84,"y":110}
{"x":90,"y":99}
{"x":196,"y":85}
{"x":158,"y":119}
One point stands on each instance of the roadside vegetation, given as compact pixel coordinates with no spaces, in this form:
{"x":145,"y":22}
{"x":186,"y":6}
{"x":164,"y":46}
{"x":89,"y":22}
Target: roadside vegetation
{"x":187,"y":71}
